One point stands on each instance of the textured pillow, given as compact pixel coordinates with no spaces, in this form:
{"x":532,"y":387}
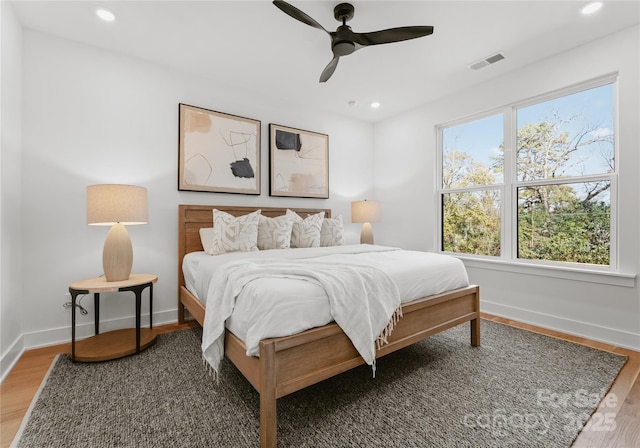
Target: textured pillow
{"x":274,"y":233}
{"x":331,"y":233}
{"x":306,"y":232}
{"x":231,"y":234}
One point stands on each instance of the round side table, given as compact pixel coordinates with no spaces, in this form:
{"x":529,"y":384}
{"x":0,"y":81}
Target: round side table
{"x":118,"y":343}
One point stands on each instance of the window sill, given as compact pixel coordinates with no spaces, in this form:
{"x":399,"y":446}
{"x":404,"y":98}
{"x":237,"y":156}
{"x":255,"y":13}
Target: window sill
{"x":562,"y":272}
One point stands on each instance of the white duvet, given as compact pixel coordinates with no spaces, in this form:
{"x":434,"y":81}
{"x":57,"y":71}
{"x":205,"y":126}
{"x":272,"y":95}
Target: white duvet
{"x":272,"y":307}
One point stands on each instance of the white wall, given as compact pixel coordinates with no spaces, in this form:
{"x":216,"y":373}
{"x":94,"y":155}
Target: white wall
{"x":91,"y":116}
{"x":404,"y":176}
{"x":11,"y":342}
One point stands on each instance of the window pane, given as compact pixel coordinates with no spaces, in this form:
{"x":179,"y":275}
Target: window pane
{"x":568,"y":223}
{"x":471,"y":222}
{"x":568,"y":136}
{"x":472,"y":153}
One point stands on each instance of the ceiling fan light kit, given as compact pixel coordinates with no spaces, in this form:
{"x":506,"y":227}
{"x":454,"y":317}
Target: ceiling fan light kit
{"x":344,"y":41}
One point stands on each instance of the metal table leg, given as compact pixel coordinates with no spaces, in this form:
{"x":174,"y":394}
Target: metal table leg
{"x":96,"y":308}
{"x":137,"y":290}
{"x":74,"y":295}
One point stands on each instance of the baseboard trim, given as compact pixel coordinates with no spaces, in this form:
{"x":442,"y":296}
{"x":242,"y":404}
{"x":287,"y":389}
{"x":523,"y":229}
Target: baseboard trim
{"x":573,"y":327}
{"x":61,"y":335}
{"x":11,"y":357}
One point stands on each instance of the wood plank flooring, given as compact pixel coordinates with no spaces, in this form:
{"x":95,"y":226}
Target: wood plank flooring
{"x":20,"y":386}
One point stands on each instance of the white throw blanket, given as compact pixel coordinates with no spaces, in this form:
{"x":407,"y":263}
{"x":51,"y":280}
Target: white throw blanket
{"x":364,"y":300}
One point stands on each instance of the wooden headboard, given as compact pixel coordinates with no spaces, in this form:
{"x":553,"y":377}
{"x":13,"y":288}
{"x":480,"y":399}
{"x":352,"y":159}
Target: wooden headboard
{"x":193,"y":217}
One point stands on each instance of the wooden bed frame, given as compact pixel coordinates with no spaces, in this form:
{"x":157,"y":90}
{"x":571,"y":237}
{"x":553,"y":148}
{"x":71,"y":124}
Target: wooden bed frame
{"x":291,"y":363}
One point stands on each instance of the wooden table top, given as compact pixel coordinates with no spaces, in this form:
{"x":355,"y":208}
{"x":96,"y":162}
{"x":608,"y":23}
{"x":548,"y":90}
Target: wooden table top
{"x":100,"y":284}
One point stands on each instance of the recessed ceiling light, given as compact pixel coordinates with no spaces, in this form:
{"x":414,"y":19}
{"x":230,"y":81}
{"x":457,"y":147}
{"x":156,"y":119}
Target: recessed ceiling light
{"x":592,"y":7}
{"x":375,"y":105}
{"x":106,"y":15}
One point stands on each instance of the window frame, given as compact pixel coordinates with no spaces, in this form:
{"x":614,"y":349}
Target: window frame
{"x":509,"y":187}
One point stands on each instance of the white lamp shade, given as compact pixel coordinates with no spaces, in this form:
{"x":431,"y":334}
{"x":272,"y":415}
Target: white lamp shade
{"x":365,"y":211}
{"x":116,"y":205}
{"x":108,"y":204}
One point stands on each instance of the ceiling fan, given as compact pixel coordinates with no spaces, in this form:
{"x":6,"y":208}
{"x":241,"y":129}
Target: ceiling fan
{"x":344,"y":41}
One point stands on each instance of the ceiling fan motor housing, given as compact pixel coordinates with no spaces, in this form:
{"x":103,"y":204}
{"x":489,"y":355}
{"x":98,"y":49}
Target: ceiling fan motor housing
{"x":342,"y":41}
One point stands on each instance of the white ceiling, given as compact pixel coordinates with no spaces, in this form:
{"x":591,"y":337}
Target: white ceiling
{"x":255,"y":47}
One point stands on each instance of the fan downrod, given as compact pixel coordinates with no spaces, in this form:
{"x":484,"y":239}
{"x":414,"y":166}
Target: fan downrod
{"x":343,"y":12}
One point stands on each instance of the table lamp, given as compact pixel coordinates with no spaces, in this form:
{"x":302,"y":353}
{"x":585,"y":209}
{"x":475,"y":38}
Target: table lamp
{"x":365,"y":212}
{"x":116,"y":206}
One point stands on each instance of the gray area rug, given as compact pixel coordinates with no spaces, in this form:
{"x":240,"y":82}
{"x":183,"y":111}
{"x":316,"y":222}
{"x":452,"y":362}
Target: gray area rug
{"x":519,"y":389}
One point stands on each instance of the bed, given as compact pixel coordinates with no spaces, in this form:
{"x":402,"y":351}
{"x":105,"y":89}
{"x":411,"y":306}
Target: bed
{"x":290,"y":363}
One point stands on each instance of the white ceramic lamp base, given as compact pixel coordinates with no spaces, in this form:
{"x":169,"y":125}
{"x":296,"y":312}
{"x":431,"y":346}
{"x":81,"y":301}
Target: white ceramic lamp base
{"x":117,"y":255}
{"x":366,"y":235}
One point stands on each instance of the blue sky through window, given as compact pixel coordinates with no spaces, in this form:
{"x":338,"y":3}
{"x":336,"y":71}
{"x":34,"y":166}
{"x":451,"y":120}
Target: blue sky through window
{"x":591,"y":110}
{"x":480,"y":139}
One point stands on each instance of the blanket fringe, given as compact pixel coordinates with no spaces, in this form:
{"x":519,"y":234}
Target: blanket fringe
{"x":211,"y":370}
{"x":386,"y":332}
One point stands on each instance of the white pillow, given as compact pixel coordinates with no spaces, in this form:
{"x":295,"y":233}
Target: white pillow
{"x":332,"y":232}
{"x":275,"y":233}
{"x":206,"y":237}
{"x":306,"y":232}
{"x":231,"y":234}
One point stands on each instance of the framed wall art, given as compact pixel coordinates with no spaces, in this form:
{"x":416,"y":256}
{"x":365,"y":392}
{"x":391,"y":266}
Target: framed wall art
{"x":299,"y":163}
{"x":218,"y":152}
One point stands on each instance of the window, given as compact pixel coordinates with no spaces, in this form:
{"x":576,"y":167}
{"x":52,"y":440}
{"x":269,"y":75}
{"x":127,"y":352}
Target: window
{"x":534,"y":181}
{"x":472,"y":179}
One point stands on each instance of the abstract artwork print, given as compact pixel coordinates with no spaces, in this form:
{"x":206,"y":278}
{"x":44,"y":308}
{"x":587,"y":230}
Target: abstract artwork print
{"x":218,"y":152}
{"x":299,"y":163}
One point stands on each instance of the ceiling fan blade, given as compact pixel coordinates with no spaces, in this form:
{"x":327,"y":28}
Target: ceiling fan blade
{"x":297,"y":14}
{"x":329,"y":69}
{"x":392,"y":35}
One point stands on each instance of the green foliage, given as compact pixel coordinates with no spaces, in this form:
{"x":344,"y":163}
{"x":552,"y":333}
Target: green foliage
{"x":471,"y":223}
{"x":460,"y":171}
{"x":576,"y":231}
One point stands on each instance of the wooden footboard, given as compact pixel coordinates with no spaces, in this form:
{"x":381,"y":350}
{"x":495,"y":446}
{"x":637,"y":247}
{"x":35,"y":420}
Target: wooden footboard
{"x":294,"y":362}
{"x":291,"y":363}
{"x":287,"y":364}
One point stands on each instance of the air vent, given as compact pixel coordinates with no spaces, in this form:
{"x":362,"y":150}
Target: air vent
{"x":486,"y":61}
